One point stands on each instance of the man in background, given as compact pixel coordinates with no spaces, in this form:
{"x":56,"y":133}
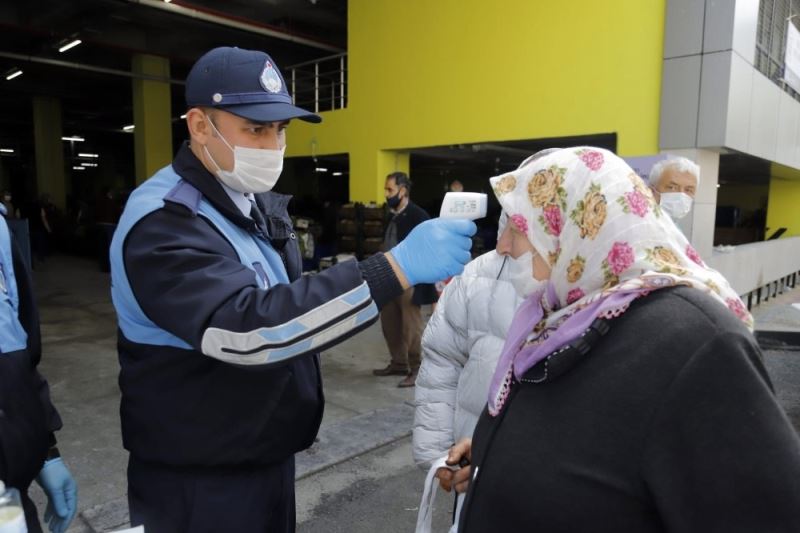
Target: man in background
{"x":401,"y":318}
{"x":674,"y":182}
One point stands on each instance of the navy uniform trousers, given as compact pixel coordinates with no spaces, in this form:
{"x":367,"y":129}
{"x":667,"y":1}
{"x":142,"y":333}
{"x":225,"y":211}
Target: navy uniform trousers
{"x":253,"y":499}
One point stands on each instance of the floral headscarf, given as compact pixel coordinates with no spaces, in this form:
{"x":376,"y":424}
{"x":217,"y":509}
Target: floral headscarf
{"x":607,"y":242}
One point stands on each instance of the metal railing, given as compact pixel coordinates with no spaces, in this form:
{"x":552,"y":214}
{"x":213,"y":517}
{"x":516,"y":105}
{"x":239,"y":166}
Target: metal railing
{"x":773,"y":18}
{"x":771,"y":290}
{"x":320,"y":84}
{"x":759,"y":271}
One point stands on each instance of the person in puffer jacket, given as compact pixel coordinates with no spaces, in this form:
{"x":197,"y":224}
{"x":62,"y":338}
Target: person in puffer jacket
{"x":460,"y":348}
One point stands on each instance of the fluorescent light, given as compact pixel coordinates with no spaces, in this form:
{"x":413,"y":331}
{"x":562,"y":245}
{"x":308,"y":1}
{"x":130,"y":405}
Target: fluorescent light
{"x":7,"y":150}
{"x":78,"y":168}
{"x":129,"y":127}
{"x":320,"y":169}
{"x":69,"y":45}
{"x":74,"y":138}
{"x":14,"y":74}
{"x":88,"y":164}
{"x":183,"y":116}
{"x":167,"y":1}
{"x":86,"y":154}
{"x":336,"y":174}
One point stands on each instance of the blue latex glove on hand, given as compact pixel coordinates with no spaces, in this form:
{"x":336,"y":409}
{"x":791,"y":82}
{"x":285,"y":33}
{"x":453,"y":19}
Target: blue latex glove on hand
{"x":435,"y":250}
{"x":62,"y":494}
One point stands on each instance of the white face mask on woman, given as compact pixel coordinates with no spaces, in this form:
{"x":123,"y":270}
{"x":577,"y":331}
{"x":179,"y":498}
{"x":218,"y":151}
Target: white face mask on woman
{"x":254,"y":169}
{"x":676,"y":204}
{"x":520,"y":274}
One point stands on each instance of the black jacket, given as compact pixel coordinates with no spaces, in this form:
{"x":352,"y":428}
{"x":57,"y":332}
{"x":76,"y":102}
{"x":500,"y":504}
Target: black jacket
{"x":27,"y":417}
{"x":667,"y":423}
{"x":408,"y":219}
{"x":183,"y":408}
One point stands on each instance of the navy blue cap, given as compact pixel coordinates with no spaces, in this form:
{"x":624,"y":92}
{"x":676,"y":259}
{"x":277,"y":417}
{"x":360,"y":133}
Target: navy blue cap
{"x":246,"y":83}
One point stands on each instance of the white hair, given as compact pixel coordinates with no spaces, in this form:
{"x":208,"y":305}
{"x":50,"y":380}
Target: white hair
{"x":680,"y":164}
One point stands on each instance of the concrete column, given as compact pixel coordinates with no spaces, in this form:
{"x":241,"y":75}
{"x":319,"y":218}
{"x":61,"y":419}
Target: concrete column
{"x":50,"y":178}
{"x":368,"y":171}
{"x":152,"y":116}
{"x":698,"y":225}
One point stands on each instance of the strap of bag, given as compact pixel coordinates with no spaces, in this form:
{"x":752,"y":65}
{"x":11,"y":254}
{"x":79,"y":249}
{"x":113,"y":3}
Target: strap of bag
{"x":428,"y":497}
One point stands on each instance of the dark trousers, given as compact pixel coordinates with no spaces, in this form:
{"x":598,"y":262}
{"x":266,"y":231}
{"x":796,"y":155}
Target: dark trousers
{"x":31,"y":515}
{"x":401,"y":322}
{"x":212,"y":500}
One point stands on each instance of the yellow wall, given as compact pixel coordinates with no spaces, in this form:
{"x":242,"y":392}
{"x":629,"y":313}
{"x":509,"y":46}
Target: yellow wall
{"x":782,"y":211}
{"x":425,"y":73}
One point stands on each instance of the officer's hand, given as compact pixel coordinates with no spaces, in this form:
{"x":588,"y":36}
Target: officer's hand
{"x":62,"y":494}
{"x":435,"y":250}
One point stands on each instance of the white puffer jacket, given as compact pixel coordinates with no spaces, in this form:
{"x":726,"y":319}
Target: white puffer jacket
{"x":460,"y":348}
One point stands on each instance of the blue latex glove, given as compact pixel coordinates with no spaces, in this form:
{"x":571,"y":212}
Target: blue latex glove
{"x":62,"y":494}
{"x":435,"y":250}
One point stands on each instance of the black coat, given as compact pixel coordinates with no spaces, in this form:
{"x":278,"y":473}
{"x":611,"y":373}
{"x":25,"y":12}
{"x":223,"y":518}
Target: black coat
{"x":408,"y":219}
{"x":27,"y":417}
{"x":667,"y":423}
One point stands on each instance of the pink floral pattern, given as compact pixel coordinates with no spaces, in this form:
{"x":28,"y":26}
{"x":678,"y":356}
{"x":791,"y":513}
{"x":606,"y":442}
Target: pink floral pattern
{"x":587,"y":206}
{"x":692,"y":254}
{"x":574,"y":295}
{"x":592,"y":159}
{"x":551,"y":220}
{"x":589,"y":202}
{"x":738,"y":308}
{"x":520,"y":223}
{"x":635,"y":202}
{"x":620,"y":258}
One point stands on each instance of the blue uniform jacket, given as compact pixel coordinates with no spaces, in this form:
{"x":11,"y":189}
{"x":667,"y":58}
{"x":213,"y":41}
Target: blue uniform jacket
{"x":27,"y":416}
{"x":241,"y":385}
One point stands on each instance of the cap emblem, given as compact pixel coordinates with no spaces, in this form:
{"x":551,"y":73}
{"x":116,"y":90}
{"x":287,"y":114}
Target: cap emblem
{"x":270,"y":79}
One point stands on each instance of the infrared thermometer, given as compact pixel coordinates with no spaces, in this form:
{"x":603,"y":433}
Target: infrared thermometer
{"x":469,"y":205}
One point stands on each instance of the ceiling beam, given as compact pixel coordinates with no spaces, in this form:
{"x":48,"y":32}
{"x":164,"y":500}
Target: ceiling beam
{"x":89,"y":68}
{"x":243,"y":25}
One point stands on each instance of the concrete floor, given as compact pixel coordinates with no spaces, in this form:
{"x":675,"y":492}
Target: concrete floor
{"x":80,"y":362}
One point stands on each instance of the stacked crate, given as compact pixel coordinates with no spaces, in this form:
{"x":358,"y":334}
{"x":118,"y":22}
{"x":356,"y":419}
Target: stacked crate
{"x":372,"y":227}
{"x":360,"y":229}
{"x":347,"y":229}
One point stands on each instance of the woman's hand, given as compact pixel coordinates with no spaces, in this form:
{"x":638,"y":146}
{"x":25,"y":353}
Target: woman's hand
{"x":449,"y":479}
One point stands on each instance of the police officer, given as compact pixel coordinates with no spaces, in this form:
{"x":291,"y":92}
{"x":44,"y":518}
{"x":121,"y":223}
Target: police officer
{"x":27,"y":417}
{"x":218,"y":331}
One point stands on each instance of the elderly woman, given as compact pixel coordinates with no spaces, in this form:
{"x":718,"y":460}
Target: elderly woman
{"x":630,"y":394}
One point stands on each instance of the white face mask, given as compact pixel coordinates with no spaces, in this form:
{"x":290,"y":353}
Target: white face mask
{"x":254,"y":169}
{"x":676,"y":204}
{"x":520,"y":274}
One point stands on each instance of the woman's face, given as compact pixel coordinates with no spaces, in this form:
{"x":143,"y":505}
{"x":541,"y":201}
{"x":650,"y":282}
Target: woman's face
{"x":513,"y":243}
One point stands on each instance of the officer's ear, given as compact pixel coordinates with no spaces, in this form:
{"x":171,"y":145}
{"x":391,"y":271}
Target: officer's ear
{"x":197,"y":123}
